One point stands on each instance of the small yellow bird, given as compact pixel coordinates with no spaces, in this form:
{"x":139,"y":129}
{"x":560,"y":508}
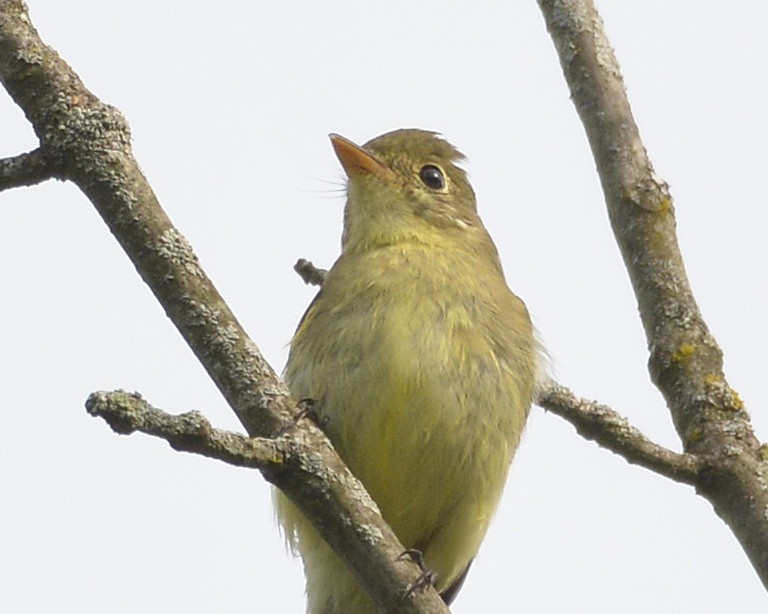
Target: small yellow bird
{"x":420,"y":361}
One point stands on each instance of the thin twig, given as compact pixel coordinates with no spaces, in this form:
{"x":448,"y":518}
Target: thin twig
{"x":25,"y":169}
{"x":128,"y":412}
{"x":613,"y":431}
{"x":309,"y":272}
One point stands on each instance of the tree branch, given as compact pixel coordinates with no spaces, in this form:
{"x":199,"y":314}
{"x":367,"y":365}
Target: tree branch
{"x":685,"y":361}
{"x":25,"y":169}
{"x":88,"y":142}
{"x":309,"y":272}
{"x":613,"y":431}
{"x":127,"y":413}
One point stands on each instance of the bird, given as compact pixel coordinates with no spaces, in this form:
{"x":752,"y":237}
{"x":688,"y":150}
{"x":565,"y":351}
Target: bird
{"x":418,"y":359}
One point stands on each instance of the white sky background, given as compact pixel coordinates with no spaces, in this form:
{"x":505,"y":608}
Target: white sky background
{"x":230,"y":106}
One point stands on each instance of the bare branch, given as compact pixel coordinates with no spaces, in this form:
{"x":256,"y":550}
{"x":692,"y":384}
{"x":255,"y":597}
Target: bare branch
{"x":613,"y":431}
{"x":685,"y":361}
{"x":309,"y":272}
{"x":128,"y":412}
{"x":25,"y":169}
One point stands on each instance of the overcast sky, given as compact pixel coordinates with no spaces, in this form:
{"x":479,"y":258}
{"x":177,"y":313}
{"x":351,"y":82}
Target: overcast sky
{"x":230,"y":106}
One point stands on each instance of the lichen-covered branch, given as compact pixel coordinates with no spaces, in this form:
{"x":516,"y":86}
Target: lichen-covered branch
{"x":88,"y":142}
{"x":128,"y":412}
{"x":25,"y":170}
{"x":613,"y":431}
{"x":685,"y":361}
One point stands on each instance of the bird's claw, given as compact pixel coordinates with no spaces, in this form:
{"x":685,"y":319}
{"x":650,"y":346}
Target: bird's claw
{"x":426,"y":578}
{"x":306,"y":410}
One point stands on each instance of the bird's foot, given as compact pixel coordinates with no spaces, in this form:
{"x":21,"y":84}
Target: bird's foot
{"x":306,"y":411}
{"x":427,"y":577}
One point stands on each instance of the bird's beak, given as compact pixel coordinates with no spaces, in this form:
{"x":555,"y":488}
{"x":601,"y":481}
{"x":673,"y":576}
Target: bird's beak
{"x":357,"y":161}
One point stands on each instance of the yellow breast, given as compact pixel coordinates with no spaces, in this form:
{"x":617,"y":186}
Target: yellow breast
{"x":425,"y":385}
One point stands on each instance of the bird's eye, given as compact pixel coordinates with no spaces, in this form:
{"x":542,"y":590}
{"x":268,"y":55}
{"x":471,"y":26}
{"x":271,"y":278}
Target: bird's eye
{"x":432,"y":177}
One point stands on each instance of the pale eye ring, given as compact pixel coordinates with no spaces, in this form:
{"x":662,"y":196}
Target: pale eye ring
{"x":432,"y":177}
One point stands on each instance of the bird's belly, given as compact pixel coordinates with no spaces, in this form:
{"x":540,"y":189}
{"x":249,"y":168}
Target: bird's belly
{"x":430,"y":432}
